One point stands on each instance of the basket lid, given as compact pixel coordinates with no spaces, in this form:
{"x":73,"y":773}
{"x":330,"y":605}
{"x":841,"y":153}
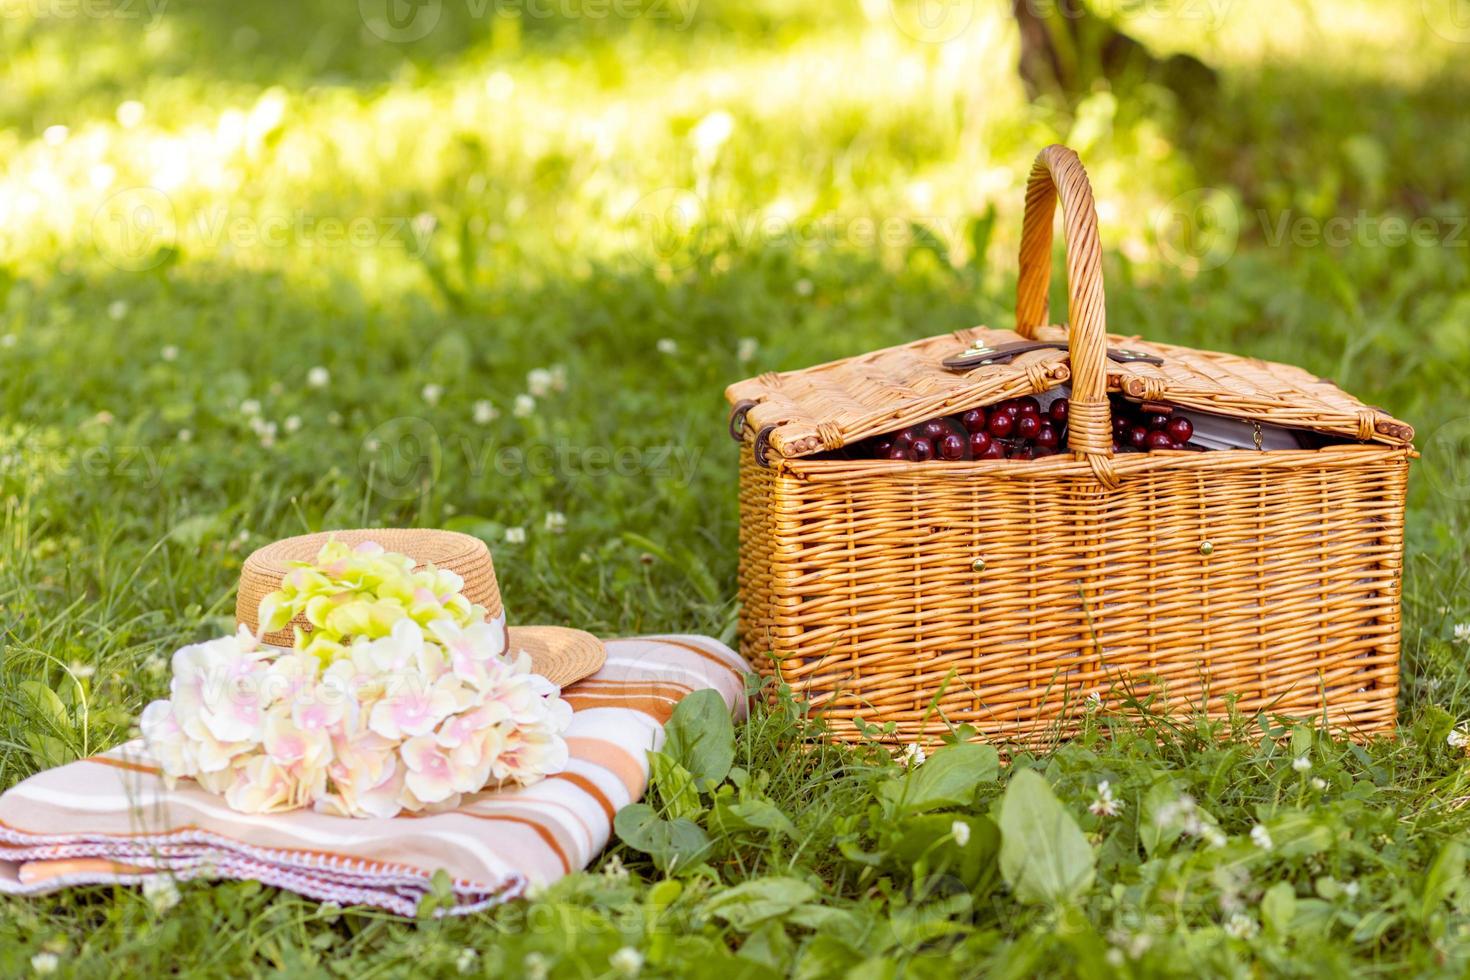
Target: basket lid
{"x":831,"y":405}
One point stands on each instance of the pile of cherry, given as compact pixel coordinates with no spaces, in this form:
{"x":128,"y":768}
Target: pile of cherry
{"x":1020,"y":428}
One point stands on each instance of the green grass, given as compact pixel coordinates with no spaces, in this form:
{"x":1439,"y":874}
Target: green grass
{"x":491,"y":175}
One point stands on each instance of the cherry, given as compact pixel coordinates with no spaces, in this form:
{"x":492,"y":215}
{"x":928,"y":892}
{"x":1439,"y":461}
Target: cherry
{"x":1001,"y":424}
{"x":993,"y":451}
{"x":903,"y":438}
{"x":881,"y":446}
{"x":951,"y":447}
{"x":1121,"y":425}
{"x":1041,"y":452}
{"x":974,"y":420}
{"x":1160,"y":440}
{"x":1019,"y":452}
{"x":1028,"y":405}
{"x":933,"y":429}
{"x":1138,"y":437}
{"x":1027,"y":426}
{"x":1057,"y":410}
{"x":979,"y":442}
{"x":1010,"y":408}
{"x":1180,"y":429}
{"x":1156,"y":422}
{"x":923,"y":450}
{"x":1046,"y":436}
{"x":901,"y":452}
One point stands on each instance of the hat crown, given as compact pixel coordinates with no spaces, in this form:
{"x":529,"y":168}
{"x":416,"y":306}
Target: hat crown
{"x":466,"y":556}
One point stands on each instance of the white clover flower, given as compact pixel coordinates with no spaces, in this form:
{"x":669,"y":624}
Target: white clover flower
{"x":465,"y":961}
{"x":45,"y":963}
{"x":292,"y":423}
{"x":668,"y":345}
{"x":186,"y":435}
{"x":81,"y":671}
{"x":1318,"y":783}
{"x":169,"y":353}
{"x":1094,"y":700}
{"x":539,"y":382}
{"x":525,"y":406}
{"x":104,"y":417}
{"x":334,"y":418}
{"x":371,"y":444}
{"x":55,"y":135}
{"x":913,"y":755}
{"x":614,"y":870}
{"x":161,"y":891}
{"x":250,"y":407}
{"x":485,"y":412}
{"x":627,"y":962}
{"x":515,"y":535}
{"x":1458,"y":738}
{"x":318,"y":377}
{"x":9,"y":340}
{"x":432,"y":393}
{"x":1301,"y":763}
{"x":1105,"y":805}
{"x":1241,"y":926}
{"x":556,"y":521}
{"x":1261,"y":837}
{"x":117,"y":309}
{"x":1351,"y":889}
{"x":804,"y":287}
{"x":130,"y":113}
{"x":711,"y":132}
{"x":746,"y":350}
{"x":1462,"y":633}
{"x":960,"y":831}
{"x":535,"y":966}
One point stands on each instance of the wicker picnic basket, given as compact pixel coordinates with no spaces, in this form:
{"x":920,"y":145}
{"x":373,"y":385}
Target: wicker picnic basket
{"x":1005,"y":594}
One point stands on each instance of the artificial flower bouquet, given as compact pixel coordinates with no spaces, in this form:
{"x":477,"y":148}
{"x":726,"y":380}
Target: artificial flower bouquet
{"x":400,"y":696}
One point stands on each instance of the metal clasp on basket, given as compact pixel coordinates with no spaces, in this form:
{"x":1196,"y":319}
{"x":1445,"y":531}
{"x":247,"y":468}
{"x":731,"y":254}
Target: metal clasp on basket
{"x":737,"y":418}
{"x":979,"y":355}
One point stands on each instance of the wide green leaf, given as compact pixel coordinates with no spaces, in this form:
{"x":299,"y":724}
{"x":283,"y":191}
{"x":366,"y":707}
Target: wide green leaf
{"x":949,"y":778}
{"x":701,"y":737}
{"x":673,"y":844}
{"x":753,"y":902}
{"x":1044,"y":856}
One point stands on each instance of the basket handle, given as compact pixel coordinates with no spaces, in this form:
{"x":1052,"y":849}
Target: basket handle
{"x":1058,"y":173}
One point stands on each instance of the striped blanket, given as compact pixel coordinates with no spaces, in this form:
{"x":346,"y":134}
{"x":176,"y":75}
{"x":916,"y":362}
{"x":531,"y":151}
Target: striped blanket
{"x":110,"y":818}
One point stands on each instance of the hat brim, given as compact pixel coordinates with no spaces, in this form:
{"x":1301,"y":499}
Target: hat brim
{"x":561,"y":655}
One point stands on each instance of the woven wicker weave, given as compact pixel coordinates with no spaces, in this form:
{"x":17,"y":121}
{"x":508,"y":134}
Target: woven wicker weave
{"x":1003,"y":593}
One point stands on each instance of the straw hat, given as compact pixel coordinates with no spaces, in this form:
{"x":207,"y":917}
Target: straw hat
{"x":560,"y":655}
